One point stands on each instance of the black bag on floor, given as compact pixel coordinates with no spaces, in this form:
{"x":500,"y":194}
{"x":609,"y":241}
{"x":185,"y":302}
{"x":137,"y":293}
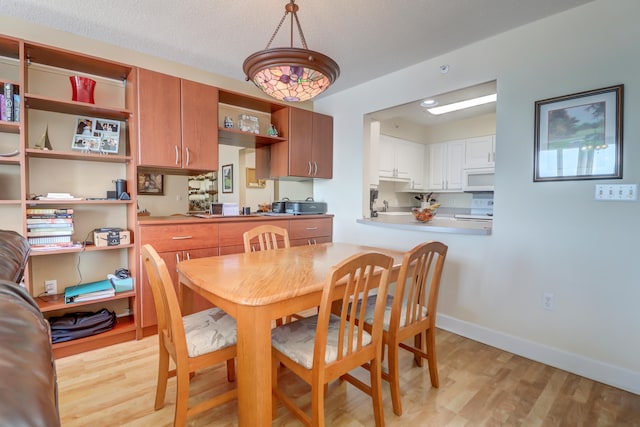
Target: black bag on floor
{"x":81,"y":324}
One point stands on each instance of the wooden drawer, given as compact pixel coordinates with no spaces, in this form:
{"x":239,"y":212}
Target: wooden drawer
{"x":311,"y":241}
{"x":231,"y":233}
{"x":310,"y":228}
{"x":180,"y":236}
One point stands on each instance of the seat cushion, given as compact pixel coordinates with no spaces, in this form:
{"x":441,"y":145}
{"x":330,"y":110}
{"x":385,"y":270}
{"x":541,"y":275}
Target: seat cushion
{"x":297,"y":339}
{"x":209,"y":330}
{"x":371,"y":304}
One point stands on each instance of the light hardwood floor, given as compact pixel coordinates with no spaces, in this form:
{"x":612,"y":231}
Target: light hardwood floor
{"x":479,"y":386}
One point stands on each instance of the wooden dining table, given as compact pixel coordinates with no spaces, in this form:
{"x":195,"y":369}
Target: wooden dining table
{"x":256,"y":288}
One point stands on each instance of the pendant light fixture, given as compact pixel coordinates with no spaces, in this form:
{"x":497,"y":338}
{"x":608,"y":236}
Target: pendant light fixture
{"x":288,"y":73}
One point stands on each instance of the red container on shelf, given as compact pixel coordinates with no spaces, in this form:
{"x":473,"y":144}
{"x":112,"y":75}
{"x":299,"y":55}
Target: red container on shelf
{"x":82,"y":88}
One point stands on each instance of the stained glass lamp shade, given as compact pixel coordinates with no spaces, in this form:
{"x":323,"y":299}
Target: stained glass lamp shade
{"x":288,"y":73}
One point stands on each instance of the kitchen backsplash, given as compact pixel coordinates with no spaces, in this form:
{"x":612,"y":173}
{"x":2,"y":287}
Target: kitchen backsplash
{"x":386,"y":191}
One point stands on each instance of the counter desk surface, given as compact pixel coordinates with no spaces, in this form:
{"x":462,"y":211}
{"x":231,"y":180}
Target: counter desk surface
{"x":439,"y":224}
{"x":190,"y":219}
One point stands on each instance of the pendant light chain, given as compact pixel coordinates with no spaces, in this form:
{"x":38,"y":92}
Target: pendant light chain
{"x":291,"y":74}
{"x":293,"y":10}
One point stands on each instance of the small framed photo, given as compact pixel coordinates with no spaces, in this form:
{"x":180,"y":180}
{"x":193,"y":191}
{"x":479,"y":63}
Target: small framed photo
{"x":227,"y":178}
{"x":99,"y":135}
{"x":579,"y":136}
{"x":151,"y":184}
{"x":109,"y":131}
{"x":85,"y":126}
{"x":86,"y":143}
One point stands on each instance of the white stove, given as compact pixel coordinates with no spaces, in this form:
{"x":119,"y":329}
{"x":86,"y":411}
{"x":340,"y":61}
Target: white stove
{"x":481,"y":210}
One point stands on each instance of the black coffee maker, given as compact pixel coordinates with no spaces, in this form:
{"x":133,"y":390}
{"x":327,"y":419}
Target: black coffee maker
{"x":373,"y":196}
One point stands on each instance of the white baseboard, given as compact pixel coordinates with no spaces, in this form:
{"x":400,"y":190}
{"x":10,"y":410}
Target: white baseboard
{"x":612,"y":375}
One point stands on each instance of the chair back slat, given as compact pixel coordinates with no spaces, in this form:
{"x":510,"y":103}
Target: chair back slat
{"x":417,"y":288}
{"x":354,"y":278}
{"x":267,"y":237}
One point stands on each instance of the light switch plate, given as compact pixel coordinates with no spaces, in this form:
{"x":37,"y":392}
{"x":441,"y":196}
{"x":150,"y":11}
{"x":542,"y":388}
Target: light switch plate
{"x":617,"y":192}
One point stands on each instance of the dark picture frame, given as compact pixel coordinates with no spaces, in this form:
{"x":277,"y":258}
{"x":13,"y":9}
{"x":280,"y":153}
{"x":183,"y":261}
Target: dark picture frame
{"x":151,"y":184}
{"x":226,"y":178}
{"x":579,"y":136}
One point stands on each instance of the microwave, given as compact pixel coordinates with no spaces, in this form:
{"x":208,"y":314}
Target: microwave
{"x":480,"y":179}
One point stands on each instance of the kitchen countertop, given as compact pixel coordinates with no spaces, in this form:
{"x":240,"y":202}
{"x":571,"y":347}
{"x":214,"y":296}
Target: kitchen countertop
{"x":182,"y":218}
{"x":439,"y":224}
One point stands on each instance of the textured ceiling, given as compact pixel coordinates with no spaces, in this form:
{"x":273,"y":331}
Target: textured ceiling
{"x":368,"y":38}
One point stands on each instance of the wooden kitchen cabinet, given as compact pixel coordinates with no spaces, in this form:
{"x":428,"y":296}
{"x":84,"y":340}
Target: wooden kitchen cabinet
{"x":308,"y":149}
{"x":310,"y":231}
{"x":446,"y":161}
{"x":175,"y":243}
{"x":176,"y":117}
{"x":401,"y":160}
{"x":480,"y":152}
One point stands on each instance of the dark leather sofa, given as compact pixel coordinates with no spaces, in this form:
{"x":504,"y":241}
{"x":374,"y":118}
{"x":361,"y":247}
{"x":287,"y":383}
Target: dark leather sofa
{"x":28,"y":387}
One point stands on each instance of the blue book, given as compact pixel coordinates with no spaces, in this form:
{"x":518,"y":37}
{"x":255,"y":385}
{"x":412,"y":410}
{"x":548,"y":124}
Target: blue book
{"x":89,"y":291}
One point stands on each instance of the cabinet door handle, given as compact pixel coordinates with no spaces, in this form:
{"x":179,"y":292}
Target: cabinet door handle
{"x":488,"y":157}
{"x":188,"y":256}
{"x":311,"y":228}
{"x":177,"y":158}
{"x":188,"y":156}
{"x":181,"y":237}
{"x":177,"y":258}
{"x":315,"y":172}
{"x":309,"y":172}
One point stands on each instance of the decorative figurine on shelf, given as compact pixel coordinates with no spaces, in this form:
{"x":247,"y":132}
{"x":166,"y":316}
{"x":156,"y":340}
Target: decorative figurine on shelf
{"x":272,"y":131}
{"x":45,"y":144}
{"x":228,"y":122}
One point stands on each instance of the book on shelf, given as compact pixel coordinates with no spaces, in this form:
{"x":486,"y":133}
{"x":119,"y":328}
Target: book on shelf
{"x":49,"y":216}
{"x":47,"y":221}
{"x":45,"y":225}
{"x":3,"y":108}
{"x":89,"y":291}
{"x":16,"y":107}
{"x":49,"y":211}
{"x":51,"y":232}
{"x":8,"y":101}
{"x":48,"y":240}
{"x":55,"y":246}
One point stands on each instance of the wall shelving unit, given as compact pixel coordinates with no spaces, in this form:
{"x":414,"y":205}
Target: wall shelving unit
{"x":40,"y":75}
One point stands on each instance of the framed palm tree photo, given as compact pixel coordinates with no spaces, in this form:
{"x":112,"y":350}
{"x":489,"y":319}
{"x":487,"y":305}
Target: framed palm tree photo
{"x":579,"y":136}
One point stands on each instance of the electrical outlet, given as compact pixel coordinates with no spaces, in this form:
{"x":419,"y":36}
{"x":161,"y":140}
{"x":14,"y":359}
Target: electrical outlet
{"x":51,"y":287}
{"x":547,"y":301}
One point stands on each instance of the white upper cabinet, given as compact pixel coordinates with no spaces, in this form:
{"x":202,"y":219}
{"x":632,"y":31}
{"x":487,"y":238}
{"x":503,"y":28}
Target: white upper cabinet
{"x":401,"y":160}
{"x":480,"y":152}
{"x":446,"y":161}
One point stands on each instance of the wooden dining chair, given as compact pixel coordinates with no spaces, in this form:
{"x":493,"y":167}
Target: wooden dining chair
{"x":327,"y":346}
{"x":265,"y":237}
{"x":411,"y":313}
{"x":193,"y":342}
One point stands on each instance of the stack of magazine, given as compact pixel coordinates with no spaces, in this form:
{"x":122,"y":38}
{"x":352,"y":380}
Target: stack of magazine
{"x":49,"y":227}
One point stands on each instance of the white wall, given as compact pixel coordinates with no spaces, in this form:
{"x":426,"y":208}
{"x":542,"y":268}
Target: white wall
{"x":547,"y":237}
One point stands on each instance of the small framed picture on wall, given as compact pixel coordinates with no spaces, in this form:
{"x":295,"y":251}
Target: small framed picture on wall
{"x":227,"y":178}
{"x":151,"y":184}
